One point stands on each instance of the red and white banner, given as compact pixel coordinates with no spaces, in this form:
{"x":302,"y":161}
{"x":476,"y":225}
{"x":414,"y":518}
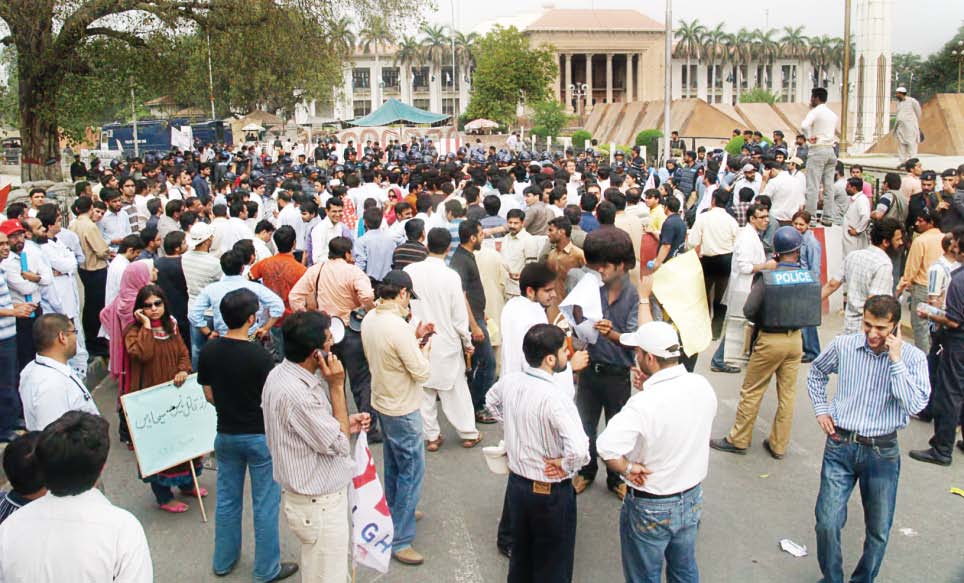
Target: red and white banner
{"x":372,"y":528}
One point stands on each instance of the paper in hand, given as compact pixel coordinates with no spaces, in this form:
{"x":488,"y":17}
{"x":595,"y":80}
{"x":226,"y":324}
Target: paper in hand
{"x":582,"y":308}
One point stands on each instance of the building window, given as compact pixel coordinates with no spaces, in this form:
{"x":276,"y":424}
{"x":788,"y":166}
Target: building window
{"x":390,"y":78}
{"x":449,"y":82}
{"x":422,"y":104}
{"x":420,"y":78}
{"x":689,"y":79}
{"x":361,"y":78}
{"x":362,"y":107}
{"x":764,"y":76}
{"x":714,"y":84}
{"x":789,"y":85}
{"x":449,"y":104}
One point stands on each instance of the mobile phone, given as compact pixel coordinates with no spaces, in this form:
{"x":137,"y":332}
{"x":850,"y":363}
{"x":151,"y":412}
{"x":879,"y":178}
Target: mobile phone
{"x":424,"y":339}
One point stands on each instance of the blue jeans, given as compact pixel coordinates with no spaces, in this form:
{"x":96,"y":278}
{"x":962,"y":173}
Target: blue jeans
{"x":483,"y":369}
{"x":235,"y":454}
{"x":811,"y":342}
{"x":10,"y":410}
{"x":876,"y":470}
{"x":198,"y":341}
{"x":718,"y":361}
{"x":654,"y":530}
{"x":404,"y":454}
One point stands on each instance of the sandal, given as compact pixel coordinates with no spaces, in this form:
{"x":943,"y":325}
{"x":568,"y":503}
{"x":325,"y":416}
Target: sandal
{"x":470,"y":443}
{"x":484,"y":418}
{"x":192,"y":494}
{"x":434,"y":444}
{"x":174,"y":507}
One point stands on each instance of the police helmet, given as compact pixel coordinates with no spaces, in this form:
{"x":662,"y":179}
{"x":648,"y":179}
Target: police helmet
{"x":786,"y":240}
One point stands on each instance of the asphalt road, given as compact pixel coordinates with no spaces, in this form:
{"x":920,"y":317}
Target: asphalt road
{"x":751,"y":502}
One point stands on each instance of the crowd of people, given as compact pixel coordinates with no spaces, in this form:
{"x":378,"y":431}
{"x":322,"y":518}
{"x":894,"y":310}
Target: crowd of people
{"x":421,"y":282}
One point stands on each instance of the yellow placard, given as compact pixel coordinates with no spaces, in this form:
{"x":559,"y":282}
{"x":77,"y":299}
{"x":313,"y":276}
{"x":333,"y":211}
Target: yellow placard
{"x":678,"y":285}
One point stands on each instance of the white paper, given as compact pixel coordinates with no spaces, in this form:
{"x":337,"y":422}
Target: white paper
{"x":584,"y":295}
{"x":797,"y":550}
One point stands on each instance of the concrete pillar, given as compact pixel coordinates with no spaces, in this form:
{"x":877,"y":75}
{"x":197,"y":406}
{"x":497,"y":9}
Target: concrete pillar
{"x":405,"y":80}
{"x":609,"y":77}
{"x":588,"y":82}
{"x":629,"y":77}
{"x":555,"y":82}
{"x":567,"y":57}
{"x":640,"y":94}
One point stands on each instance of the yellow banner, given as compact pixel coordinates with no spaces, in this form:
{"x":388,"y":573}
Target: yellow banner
{"x":678,"y":285}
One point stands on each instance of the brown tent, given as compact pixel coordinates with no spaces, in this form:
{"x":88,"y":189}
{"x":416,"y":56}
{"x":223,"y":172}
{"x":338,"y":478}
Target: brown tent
{"x":942,"y":121}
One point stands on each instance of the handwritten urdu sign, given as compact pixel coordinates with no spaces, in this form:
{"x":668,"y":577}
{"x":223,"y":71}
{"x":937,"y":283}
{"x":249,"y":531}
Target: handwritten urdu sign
{"x":169,"y":425}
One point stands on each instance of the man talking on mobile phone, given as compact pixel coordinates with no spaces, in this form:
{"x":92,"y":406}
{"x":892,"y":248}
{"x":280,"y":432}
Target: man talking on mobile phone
{"x":882,"y":380}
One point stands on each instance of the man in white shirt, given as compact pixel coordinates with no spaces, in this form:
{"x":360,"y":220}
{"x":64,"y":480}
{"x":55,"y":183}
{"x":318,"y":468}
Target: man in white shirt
{"x":748,"y":179}
{"x":782,"y":190}
{"x":714,"y":235}
{"x":659,"y":442}
{"x":128,"y":251}
{"x":857,"y":218}
{"x":116,"y":223}
{"x":73,"y":533}
{"x":327,"y":229}
{"x":48,"y":386}
{"x":235,"y":229}
{"x":820,"y":127}
{"x":290,"y":215}
{"x":441,"y":302}
{"x":545,"y":445}
{"x":519,"y":248}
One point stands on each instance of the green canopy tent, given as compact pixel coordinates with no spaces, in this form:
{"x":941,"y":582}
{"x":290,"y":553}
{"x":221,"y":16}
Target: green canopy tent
{"x":394,"y":111}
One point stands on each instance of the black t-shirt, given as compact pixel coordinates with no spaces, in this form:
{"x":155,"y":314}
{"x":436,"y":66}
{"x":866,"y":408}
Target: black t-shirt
{"x":464,"y":264}
{"x":170,"y":278}
{"x":673,"y":233}
{"x":236,"y":371}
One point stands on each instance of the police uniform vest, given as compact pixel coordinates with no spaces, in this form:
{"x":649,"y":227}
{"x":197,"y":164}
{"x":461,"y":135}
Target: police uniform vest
{"x":791,"y":300}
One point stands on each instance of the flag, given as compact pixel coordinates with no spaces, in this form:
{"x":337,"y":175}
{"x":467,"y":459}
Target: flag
{"x":372,"y":528}
{"x":650,"y":181}
{"x":4,"y":193}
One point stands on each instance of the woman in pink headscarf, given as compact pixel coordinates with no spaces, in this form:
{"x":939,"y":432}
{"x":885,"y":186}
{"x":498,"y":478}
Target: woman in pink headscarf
{"x":115,"y":318}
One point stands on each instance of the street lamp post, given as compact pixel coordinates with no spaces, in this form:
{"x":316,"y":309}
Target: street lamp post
{"x":845,"y":97}
{"x":579,"y":92}
{"x":959,"y":54}
{"x":668,"y":80}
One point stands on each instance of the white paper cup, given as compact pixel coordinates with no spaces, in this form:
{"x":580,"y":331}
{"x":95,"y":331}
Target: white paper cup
{"x":496,"y":458}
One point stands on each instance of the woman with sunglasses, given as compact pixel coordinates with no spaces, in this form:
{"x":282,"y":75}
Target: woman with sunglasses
{"x":157,"y":355}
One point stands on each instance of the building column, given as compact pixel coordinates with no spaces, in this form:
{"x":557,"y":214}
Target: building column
{"x":405,"y":80}
{"x":639,"y":77}
{"x":568,"y":68}
{"x":629,"y":77}
{"x":588,"y":97}
{"x":555,"y":82}
{"x":609,"y":77}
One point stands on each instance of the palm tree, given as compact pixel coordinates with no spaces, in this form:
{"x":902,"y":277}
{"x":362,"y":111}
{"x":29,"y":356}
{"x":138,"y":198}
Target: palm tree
{"x":768,"y":49}
{"x":820,"y":47}
{"x":435,"y":44}
{"x":689,"y":39}
{"x":741,"y":53}
{"x":408,"y":54}
{"x":342,"y":36}
{"x":465,"y":46}
{"x":376,"y":35}
{"x":794,"y":44}
{"x":715,"y":49}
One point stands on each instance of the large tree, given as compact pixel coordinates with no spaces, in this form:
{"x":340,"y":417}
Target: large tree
{"x":53,"y":41}
{"x":506,"y":64}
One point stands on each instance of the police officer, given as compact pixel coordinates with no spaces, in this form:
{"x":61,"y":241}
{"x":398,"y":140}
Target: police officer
{"x":781,"y":302}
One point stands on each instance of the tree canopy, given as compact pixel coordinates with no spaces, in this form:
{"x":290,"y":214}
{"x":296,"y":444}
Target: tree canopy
{"x":508,"y":69}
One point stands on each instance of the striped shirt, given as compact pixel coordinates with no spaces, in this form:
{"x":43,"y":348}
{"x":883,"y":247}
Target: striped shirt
{"x":407,"y":253}
{"x":201,"y":268}
{"x":309,"y":452}
{"x":8,"y":324}
{"x":867,"y":272}
{"x":539,"y":424}
{"x":874,"y":395}
{"x":10,"y":502}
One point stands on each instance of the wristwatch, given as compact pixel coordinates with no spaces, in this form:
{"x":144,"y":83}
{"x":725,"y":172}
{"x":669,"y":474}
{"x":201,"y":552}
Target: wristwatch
{"x":629,"y":467}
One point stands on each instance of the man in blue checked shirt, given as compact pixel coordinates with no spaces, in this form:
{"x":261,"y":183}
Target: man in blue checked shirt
{"x":882,"y":380}
{"x":232,"y":263}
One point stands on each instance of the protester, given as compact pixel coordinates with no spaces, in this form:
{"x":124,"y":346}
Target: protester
{"x":240,"y":444}
{"x":280,"y":273}
{"x":170,"y":278}
{"x":308,"y":428}
{"x":21,"y":468}
{"x":398,"y":355}
{"x":84,"y":537}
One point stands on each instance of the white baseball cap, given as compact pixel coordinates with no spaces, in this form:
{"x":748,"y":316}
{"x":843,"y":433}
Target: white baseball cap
{"x":749,"y":168}
{"x":657,"y":338}
{"x":200,"y":232}
{"x":902,"y":89}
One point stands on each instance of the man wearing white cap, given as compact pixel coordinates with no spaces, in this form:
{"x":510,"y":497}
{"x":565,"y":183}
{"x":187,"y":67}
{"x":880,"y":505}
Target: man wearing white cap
{"x":659,"y":443}
{"x":907,"y":128}
{"x":749,"y":178}
{"x":201,"y":267}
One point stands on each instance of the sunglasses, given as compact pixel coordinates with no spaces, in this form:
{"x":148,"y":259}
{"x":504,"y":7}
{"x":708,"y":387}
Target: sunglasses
{"x":156,"y":304}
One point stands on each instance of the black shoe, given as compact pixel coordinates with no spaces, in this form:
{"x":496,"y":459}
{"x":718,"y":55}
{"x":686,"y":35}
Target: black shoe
{"x":930,"y":456}
{"x":375,"y":437}
{"x":727,"y":368}
{"x":806,"y":360}
{"x":960,"y":444}
{"x":773,"y":454}
{"x":287,"y":570}
{"x":723,"y":444}
{"x":505,"y":551}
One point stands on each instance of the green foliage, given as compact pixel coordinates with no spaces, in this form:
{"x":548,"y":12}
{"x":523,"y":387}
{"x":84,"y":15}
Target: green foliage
{"x":506,"y":65}
{"x":579,"y":138}
{"x":650,"y":139}
{"x":549,"y":118}
{"x":758,"y":95}
{"x":734,"y":146}
{"x":938,"y":74}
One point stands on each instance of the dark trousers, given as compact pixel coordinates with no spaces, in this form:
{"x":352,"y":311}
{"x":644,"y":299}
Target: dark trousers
{"x":95,"y":284}
{"x":544,"y":530}
{"x":25,"y":346}
{"x":504,"y":537}
{"x":933,"y":372}
{"x":949,"y":395}
{"x":602,"y":388}
{"x":11,"y":411}
{"x":716,"y":275}
{"x":482,"y":375}
{"x":352,"y":356}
